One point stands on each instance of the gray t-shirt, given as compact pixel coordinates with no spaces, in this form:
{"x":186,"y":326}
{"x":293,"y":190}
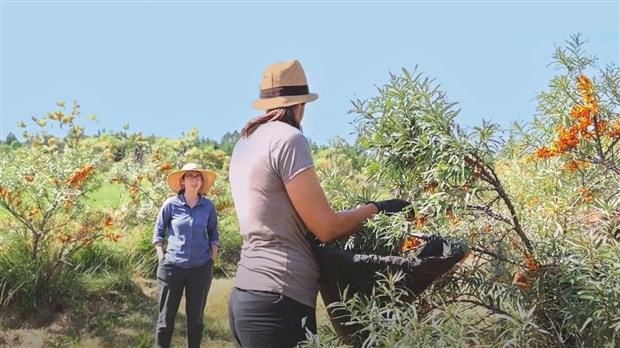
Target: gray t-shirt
{"x":275,"y":255}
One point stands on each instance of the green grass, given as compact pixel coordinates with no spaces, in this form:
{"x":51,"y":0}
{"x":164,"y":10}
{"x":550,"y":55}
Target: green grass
{"x":109,"y":195}
{"x":111,"y":318}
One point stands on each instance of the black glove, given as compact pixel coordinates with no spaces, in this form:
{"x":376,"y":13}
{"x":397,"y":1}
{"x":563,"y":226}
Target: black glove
{"x":391,"y":206}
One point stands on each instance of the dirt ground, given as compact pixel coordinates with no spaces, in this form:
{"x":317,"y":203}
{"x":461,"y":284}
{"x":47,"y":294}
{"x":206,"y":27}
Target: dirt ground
{"x":22,"y":338}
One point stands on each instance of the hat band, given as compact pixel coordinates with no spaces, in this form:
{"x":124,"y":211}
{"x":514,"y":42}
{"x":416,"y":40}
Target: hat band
{"x":283,"y":91}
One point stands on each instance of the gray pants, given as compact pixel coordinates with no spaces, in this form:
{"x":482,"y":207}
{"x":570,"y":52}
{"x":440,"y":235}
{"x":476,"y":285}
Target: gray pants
{"x":171,"y":281}
{"x":260,"y":319}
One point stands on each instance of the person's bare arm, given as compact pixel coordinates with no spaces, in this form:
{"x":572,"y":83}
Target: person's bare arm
{"x":308,"y":198}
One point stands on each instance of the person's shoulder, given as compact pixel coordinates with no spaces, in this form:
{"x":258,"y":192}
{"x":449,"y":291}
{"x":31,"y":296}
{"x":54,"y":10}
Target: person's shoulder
{"x":282,"y":130}
{"x":172,"y":200}
{"x":206,"y":200}
{"x":283,"y":133}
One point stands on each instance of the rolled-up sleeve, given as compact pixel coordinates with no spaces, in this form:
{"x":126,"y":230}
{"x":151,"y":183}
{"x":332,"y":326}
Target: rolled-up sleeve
{"x":163,"y":220}
{"x":212,"y":231}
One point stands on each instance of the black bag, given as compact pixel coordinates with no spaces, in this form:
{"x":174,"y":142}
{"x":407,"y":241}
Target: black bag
{"x":341,"y":269}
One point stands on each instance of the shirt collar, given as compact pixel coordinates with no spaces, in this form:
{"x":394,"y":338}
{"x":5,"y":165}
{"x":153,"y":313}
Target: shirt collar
{"x":181,"y":197}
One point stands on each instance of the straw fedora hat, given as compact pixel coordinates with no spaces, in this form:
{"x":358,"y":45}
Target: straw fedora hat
{"x":283,"y":84}
{"x":174,"y":178}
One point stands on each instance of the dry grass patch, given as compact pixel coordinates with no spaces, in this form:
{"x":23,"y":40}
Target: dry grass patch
{"x":115,"y":319}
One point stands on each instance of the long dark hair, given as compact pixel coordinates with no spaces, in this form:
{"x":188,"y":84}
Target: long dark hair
{"x":285,"y":114}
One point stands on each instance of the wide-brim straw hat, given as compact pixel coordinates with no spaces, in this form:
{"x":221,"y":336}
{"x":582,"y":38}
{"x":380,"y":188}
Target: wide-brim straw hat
{"x":283,"y":84}
{"x":174,"y":178}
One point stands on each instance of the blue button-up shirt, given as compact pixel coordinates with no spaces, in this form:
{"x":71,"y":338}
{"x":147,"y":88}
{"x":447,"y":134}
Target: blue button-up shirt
{"x":191,"y":231}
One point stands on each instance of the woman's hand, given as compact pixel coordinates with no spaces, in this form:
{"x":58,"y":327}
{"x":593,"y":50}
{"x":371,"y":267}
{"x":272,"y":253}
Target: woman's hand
{"x":159,"y":249}
{"x":391,"y":206}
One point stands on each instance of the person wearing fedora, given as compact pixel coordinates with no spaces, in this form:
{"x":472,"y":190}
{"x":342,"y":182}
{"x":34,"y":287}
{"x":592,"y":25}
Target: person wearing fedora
{"x":278,"y":197}
{"x":190,"y":222}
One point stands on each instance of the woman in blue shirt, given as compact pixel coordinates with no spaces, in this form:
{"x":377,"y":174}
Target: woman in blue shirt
{"x":190,"y":222}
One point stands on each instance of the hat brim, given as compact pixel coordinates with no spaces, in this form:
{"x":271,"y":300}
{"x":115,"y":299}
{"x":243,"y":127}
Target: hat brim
{"x":283,"y":101}
{"x":174,"y":180}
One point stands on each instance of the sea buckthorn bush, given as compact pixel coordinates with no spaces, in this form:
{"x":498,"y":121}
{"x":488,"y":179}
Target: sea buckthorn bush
{"x":47,"y":216}
{"x":538,"y":209}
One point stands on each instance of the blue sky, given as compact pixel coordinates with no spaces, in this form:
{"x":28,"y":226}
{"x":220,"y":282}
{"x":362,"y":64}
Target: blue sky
{"x":166,"y":67}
